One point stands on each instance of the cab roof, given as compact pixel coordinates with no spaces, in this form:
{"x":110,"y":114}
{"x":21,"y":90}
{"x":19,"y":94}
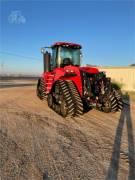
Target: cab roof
{"x":67,"y":44}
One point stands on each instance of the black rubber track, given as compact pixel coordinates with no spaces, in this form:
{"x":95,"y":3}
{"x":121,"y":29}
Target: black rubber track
{"x":67,"y":97}
{"x":39,"y":94}
{"x":111,"y":99}
{"x":118,"y":97}
{"x":41,"y":89}
{"x":76,"y":98}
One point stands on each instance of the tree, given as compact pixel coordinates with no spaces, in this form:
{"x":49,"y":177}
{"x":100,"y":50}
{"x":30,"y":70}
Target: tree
{"x":132,"y":64}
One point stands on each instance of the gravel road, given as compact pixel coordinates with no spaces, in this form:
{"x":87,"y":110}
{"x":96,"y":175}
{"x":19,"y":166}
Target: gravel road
{"x":38,"y":144}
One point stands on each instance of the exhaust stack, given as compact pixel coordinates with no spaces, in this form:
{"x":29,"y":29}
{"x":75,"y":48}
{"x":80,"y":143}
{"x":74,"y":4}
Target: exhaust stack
{"x":46,"y":61}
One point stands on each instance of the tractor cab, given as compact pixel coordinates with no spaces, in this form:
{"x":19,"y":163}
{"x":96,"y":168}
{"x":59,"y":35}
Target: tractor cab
{"x":61,"y":54}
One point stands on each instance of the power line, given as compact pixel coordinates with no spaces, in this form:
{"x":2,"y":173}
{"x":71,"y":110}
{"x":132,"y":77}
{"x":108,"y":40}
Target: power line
{"x":18,"y":55}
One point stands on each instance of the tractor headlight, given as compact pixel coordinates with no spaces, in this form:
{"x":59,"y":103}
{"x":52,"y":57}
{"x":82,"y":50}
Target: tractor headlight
{"x":69,"y":72}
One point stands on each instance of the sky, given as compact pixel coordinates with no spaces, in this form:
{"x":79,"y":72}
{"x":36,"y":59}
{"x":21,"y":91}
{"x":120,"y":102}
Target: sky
{"x":104,"y":28}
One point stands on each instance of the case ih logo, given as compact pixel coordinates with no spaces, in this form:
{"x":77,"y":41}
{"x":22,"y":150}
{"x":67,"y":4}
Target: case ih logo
{"x":16,"y":17}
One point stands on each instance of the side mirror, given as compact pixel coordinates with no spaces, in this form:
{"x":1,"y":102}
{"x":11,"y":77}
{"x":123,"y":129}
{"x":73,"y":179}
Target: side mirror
{"x":42,"y":50}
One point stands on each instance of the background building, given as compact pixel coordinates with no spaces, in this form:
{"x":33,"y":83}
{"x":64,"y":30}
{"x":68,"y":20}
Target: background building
{"x":124,"y":75}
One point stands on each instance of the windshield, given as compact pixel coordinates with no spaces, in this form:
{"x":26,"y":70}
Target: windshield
{"x":69,"y":53}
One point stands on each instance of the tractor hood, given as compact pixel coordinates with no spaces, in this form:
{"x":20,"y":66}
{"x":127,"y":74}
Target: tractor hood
{"x":91,"y":70}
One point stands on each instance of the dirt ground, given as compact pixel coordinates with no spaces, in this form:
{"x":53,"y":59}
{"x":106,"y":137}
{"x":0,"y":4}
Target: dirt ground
{"x":36,"y":143}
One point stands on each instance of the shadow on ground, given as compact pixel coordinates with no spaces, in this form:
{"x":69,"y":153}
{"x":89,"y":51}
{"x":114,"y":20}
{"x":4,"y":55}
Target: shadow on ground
{"x":113,"y":169}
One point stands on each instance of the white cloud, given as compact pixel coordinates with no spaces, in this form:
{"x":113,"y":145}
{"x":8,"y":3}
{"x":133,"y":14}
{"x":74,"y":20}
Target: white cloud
{"x":16,"y":17}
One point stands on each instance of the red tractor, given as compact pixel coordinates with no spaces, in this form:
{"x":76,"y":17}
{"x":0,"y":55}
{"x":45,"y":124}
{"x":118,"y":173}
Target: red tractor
{"x":70,"y":89}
